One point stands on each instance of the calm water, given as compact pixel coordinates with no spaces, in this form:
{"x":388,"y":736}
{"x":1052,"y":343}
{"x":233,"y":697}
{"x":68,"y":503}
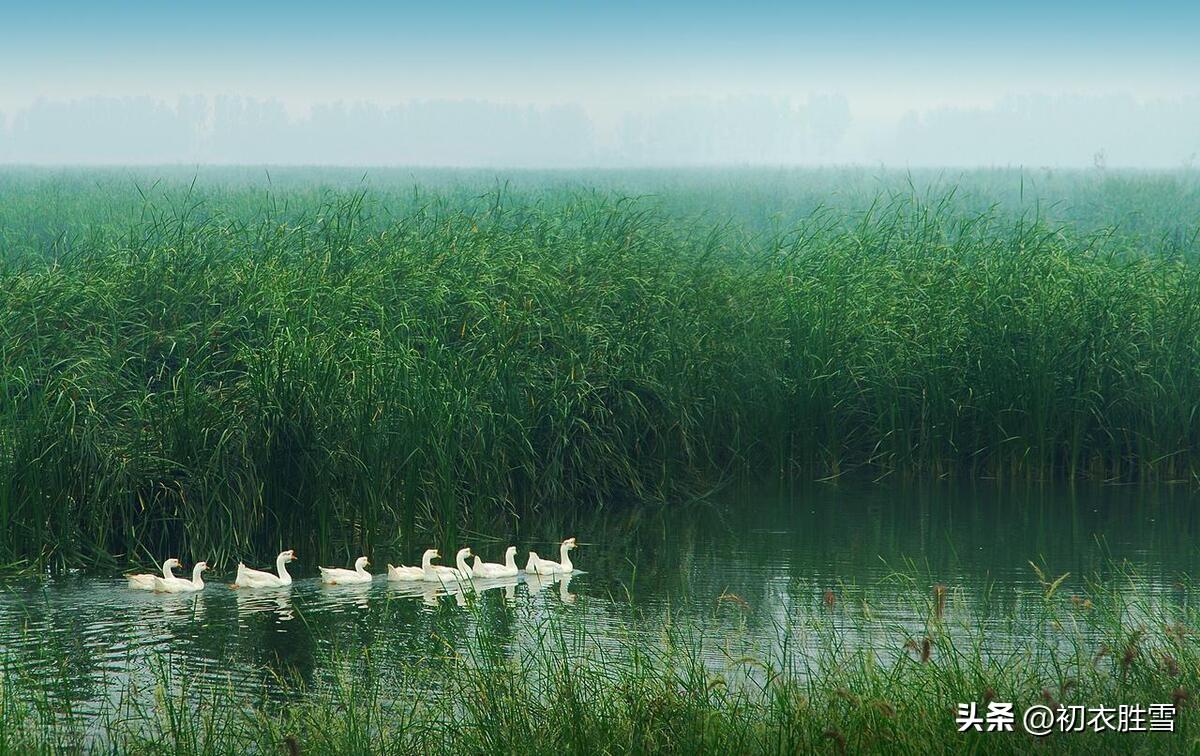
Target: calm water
{"x":771,"y":556}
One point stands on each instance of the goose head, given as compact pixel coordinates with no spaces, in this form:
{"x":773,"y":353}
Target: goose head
{"x":361,"y":563}
{"x":429,"y":556}
{"x":460,"y":560}
{"x":288,"y":556}
{"x":172,"y":564}
{"x":569,"y":543}
{"x":510,"y":553}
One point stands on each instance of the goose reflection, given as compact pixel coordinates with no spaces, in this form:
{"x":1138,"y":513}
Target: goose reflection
{"x":405,"y":590}
{"x":507,"y":584}
{"x":178,"y":607}
{"x":564,"y":593}
{"x":277,"y":600}
{"x":538,"y":583}
{"x":431,"y":593}
{"x":341,"y":594}
{"x":159,"y":609}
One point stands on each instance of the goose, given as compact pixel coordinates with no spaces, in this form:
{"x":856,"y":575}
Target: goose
{"x":145,"y":581}
{"x":439,"y":573}
{"x":248,"y":578}
{"x":182,"y":585}
{"x":483,"y":569}
{"x":336,"y":575}
{"x":412,"y":573}
{"x":538,"y":566}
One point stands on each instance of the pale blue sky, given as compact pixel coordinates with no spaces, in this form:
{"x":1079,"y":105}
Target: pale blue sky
{"x":613,"y":60}
{"x":596,"y":52}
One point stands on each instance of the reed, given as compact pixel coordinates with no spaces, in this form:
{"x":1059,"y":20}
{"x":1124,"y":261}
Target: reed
{"x":221,"y":371}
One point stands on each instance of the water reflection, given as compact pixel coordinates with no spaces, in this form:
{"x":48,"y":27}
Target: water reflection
{"x":277,"y":601}
{"x":829,"y":557}
{"x":431,"y":594}
{"x":506,"y":585}
{"x":538,"y":583}
{"x":356,"y":594}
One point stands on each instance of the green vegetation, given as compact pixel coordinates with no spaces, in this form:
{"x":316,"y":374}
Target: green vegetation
{"x":842,"y":679}
{"x":220,"y":369}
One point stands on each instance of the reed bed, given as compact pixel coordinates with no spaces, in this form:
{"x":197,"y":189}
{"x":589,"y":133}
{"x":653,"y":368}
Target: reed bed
{"x":817,"y":690}
{"x":224,"y":372}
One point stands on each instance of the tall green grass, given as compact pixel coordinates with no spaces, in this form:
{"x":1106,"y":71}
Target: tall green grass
{"x":222,"y":372}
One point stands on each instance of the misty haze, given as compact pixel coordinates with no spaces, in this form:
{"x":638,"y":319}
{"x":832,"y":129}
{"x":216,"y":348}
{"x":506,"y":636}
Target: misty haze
{"x":1033,"y":130}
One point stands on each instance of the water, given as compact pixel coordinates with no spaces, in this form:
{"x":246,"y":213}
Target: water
{"x":751,"y":571}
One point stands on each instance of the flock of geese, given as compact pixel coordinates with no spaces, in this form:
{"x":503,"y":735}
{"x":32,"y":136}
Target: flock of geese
{"x":427,"y":572}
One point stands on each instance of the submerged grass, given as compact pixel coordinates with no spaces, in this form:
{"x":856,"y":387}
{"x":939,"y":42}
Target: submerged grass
{"x":221,"y":374}
{"x":843,"y":679}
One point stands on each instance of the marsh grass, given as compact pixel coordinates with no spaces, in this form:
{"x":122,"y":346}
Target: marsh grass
{"x":223,"y":372}
{"x":556,"y":688}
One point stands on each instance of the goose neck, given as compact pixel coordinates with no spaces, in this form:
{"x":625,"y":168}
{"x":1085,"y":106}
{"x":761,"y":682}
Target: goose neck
{"x":281,"y":568}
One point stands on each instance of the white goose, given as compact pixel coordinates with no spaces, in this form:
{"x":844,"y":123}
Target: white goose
{"x":145,"y":581}
{"x":338,"y":576}
{"x":441,"y":574}
{"x":182,"y":585}
{"x":413,"y":573}
{"x":483,"y":569}
{"x":538,"y":566}
{"x":248,"y":578}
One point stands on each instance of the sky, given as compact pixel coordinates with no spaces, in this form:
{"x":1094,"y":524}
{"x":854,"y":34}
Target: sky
{"x":616,"y":63}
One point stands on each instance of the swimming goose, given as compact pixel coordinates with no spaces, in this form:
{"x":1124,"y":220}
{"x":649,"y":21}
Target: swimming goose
{"x":483,"y":569}
{"x":248,"y":578}
{"x":338,"y":576}
{"x":145,"y":581}
{"x":412,"y":573}
{"x":441,"y":574}
{"x":182,"y":585}
{"x":539,"y":566}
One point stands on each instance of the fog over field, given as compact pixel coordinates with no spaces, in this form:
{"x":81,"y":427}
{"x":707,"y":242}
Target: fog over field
{"x":1034,"y":130}
{"x":536,"y":84}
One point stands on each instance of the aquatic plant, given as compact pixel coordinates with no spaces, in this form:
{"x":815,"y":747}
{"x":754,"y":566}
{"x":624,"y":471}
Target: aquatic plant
{"x":224,"y":372}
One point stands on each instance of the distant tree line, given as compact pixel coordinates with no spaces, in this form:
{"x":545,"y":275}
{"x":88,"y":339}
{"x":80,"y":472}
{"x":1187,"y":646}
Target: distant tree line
{"x":754,"y":130}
